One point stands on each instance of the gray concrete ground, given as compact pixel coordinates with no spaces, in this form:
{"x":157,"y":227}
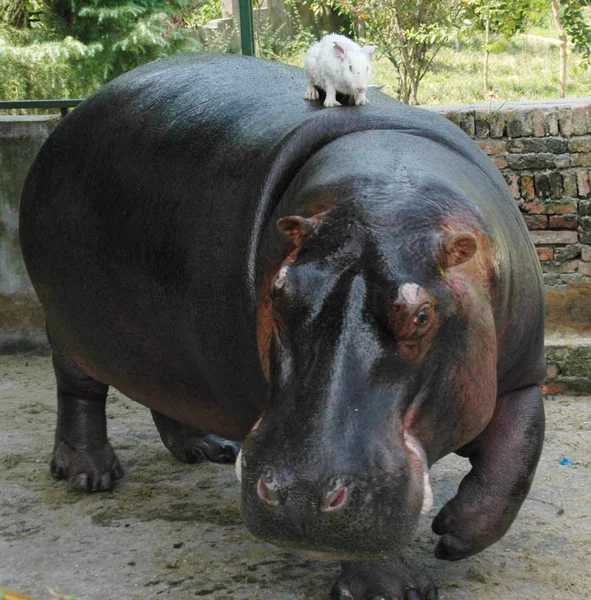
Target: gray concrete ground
{"x":173,"y":530}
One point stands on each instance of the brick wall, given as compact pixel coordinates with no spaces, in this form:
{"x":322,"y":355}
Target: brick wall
{"x":544,"y":151}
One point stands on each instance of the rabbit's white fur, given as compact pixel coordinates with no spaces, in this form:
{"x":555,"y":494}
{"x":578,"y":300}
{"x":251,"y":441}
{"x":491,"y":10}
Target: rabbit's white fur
{"x":338,"y":64}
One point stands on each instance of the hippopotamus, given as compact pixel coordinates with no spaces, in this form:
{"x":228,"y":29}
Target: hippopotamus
{"x":347,"y":296}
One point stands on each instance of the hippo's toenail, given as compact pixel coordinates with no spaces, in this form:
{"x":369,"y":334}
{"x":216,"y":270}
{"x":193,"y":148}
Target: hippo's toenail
{"x":267,"y":489}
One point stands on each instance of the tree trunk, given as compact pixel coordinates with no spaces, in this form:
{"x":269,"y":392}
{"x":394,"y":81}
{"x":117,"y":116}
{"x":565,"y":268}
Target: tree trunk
{"x":486,"y":52}
{"x":562,"y":38}
{"x":457,"y":35}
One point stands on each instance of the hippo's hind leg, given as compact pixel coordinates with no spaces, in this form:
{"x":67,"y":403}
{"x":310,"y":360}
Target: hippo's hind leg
{"x":191,"y":445}
{"x":82,"y":453}
{"x":389,"y":578}
{"x":504,"y":459}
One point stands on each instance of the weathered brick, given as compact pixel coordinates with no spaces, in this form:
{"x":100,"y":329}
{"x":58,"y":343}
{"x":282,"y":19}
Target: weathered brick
{"x":579,"y":120}
{"x":543,"y":238}
{"x":560,"y":208}
{"x":497,"y":124}
{"x":513,"y":184}
{"x":585,"y":269}
{"x":586,"y":254}
{"x":536,"y":221}
{"x":555,"y":183}
{"x":500,"y":162}
{"x":585,"y":208}
{"x":552,"y":389}
{"x":481,"y":125}
{"x":569,"y":183}
{"x":567,"y":252}
{"x":467,"y":123}
{"x":572,"y":266}
{"x":543,"y":160}
{"x":580,"y":144}
{"x":492,"y":147}
{"x":545,"y":254}
{"x":552,"y":371}
{"x":553,"y":145}
{"x":583,"y":185}
{"x":581,"y":159}
{"x":519,"y":123}
{"x":455,"y":117}
{"x":533,"y":208}
{"x":542,"y":185}
{"x":557,"y":145}
{"x":563,"y":222}
{"x":585,"y":237}
{"x":552,"y":123}
{"x":539,"y":122}
{"x":528,"y":191}
{"x":565,"y":121}
{"x":585,"y":223}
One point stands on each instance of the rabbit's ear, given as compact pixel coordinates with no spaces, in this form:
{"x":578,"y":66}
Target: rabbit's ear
{"x":339,"y":51}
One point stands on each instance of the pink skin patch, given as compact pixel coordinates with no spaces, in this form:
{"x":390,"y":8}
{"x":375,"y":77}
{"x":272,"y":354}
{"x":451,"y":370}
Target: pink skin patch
{"x":413,"y":445}
{"x":410,"y":292}
{"x":240,"y":459}
{"x":280,"y":281}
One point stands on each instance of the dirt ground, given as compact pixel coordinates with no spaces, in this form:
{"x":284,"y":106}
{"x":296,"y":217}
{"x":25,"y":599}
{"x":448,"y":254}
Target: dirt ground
{"x":173,"y":530}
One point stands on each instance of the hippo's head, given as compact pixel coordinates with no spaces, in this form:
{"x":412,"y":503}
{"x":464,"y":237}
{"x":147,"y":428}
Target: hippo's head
{"x":377,"y":333}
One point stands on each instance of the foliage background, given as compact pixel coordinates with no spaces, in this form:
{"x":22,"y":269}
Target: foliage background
{"x":69,"y":48}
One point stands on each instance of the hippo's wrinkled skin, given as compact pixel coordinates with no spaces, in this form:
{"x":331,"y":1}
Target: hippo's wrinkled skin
{"x":359,"y":280}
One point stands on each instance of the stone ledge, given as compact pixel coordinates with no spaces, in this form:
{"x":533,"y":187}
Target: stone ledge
{"x":568,"y":364}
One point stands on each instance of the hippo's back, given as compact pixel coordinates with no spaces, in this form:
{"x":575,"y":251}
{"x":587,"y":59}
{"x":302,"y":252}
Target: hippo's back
{"x":137,"y":221}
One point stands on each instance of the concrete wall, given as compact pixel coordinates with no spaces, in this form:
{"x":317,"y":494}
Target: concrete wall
{"x":21,"y":319}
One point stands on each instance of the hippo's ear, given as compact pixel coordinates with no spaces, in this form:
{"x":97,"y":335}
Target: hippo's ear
{"x":457,"y":249}
{"x":298,"y":229}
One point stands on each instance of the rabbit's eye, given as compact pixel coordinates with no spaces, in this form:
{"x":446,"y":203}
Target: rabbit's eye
{"x":351,"y":68}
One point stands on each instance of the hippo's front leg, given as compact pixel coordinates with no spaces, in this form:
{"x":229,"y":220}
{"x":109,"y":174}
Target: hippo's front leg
{"x":192,"y":445}
{"x":82,"y":452}
{"x":382,"y":580}
{"x":504,"y":459}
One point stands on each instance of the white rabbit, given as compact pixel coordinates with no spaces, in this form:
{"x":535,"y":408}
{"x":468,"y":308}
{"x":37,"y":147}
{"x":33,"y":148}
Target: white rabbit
{"x":338,"y":64}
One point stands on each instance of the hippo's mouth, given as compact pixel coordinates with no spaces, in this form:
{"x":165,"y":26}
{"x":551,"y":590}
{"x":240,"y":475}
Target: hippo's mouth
{"x":347,"y":534}
{"x":420,"y":467}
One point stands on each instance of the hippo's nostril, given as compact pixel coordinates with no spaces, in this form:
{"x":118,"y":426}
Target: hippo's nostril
{"x":335,"y":499}
{"x":267,"y":489}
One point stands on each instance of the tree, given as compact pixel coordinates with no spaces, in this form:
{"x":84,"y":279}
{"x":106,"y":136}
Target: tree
{"x":570,"y":23}
{"x":502,"y":18}
{"x":72,"y":47}
{"x":408,"y":32}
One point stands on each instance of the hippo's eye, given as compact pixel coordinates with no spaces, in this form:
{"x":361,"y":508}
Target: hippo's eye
{"x":423,"y":317}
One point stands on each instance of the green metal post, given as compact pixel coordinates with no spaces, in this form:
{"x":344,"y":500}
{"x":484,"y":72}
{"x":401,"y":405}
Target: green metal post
{"x":246,"y":27}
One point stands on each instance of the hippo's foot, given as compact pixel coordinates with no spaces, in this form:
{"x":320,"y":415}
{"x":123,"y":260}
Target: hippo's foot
{"x":82,"y":453}
{"x":389,"y":579}
{"x":191,"y":445}
{"x":504,"y":458}
{"x":90,"y":471}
